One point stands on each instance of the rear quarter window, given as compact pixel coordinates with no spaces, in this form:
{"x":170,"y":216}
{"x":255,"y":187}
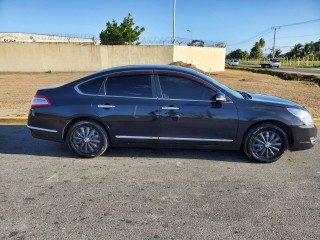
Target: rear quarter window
{"x":91,"y":86}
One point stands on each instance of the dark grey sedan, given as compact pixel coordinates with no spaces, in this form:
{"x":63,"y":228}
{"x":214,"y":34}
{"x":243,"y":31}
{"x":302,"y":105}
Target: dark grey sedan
{"x":166,"y":106}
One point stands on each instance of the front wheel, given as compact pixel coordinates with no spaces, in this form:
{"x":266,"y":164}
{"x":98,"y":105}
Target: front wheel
{"x":87,"y":139}
{"x":265,"y":143}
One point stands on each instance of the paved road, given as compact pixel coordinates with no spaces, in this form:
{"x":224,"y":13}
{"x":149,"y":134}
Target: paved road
{"x":47,"y":193}
{"x":309,"y":71}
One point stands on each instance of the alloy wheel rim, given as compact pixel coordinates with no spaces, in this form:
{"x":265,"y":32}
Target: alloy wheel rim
{"x":86,"y":140}
{"x":266,"y":145}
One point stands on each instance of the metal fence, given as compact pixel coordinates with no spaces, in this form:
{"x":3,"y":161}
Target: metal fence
{"x":284,"y":61}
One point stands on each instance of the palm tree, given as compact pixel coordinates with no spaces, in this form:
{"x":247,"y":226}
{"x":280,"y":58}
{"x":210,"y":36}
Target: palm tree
{"x":297,"y":50}
{"x":261,"y":43}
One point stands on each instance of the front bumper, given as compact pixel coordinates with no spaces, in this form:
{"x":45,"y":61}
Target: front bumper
{"x":303,"y":137}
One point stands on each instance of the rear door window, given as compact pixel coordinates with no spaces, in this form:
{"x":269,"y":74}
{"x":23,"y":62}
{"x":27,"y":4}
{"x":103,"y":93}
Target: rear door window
{"x":129,"y":86}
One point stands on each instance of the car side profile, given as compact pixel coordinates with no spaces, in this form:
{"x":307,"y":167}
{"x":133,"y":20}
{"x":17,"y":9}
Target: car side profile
{"x":171,"y":107}
{"x":233,"y":62}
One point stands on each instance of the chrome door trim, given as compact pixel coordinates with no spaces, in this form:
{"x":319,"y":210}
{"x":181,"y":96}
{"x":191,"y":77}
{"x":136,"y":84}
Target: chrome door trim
{"x":106,"y":106}
{"x":136,"y":137}
{"x":42,"y":129}
{"x":170,"y":108}
{"x":174,"y":138}
{"x":196,"y":139}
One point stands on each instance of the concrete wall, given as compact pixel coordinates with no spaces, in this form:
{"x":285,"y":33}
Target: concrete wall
{"x":208,"y":59}
{"x":72,"y":57}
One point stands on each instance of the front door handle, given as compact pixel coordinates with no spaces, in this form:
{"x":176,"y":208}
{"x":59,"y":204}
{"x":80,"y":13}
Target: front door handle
{"x":170,"y":108}
{"x":108,"y":106}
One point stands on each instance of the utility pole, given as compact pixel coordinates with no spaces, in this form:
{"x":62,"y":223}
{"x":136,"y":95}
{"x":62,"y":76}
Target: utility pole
{"x":174,"y":23}
{"x":274,"y":41}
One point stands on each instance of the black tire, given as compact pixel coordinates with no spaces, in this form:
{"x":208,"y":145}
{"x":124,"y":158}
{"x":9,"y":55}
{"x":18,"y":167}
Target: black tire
{"x":265,"y":143}
{"x":87,"y":138}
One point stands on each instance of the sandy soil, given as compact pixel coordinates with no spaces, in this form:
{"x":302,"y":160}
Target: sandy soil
{"x":17,"y":89}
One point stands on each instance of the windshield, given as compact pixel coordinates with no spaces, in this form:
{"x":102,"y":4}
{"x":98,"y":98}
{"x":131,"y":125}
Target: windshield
{"x":275,"y":60}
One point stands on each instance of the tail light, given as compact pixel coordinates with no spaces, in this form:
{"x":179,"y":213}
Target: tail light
{"x":40,"y":101}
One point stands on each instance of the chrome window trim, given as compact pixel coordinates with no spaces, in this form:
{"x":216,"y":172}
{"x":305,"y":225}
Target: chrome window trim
{"x":42,"y":129}
{"x":189,"y":100}
{"x":174,"y":138}
{"x":154,"y":74}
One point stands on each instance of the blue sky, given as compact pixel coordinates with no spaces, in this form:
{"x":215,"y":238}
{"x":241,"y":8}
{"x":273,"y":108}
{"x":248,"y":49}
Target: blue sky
{"x":231,"y":21}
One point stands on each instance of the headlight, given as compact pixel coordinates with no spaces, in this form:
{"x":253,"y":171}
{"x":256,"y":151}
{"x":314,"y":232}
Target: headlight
{"x":303,"y":115}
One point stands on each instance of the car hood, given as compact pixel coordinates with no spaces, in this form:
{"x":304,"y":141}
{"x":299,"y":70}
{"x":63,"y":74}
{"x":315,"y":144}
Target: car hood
{"x":272,"y":100}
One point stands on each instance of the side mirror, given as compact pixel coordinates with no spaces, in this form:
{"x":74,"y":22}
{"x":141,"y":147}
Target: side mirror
{"x":219,"y":97}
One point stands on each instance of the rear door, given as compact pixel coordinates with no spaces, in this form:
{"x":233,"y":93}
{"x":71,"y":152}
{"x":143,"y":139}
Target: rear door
{"x":128,"y":106}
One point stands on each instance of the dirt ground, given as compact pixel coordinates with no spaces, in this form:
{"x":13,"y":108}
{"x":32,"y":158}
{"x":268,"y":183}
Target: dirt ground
{"x":17,"y":89}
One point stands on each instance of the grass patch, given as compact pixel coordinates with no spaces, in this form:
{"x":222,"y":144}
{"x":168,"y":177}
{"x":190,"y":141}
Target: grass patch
{"x":282,"y":75}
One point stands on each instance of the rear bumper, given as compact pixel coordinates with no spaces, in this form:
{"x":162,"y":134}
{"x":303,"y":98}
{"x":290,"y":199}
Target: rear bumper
{"x":304,"y":137}
{"x":45,"y":126}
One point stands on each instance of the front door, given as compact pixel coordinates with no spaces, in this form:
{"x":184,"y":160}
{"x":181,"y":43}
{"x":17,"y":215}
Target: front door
{"x":189,"y":116}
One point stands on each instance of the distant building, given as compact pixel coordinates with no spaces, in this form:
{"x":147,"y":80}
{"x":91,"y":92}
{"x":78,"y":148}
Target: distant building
{"x":33,"y":37}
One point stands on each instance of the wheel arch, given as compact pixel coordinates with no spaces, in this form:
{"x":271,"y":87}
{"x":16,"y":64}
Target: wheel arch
{"x":280,"y":124}
{"x":85,"y":118}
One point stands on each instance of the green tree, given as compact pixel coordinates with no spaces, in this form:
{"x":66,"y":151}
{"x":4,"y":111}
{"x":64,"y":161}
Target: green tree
{"x":123,"y":34}
{"x":238,"y":54}
{"x":276,"y":55}
{"x":297,"y":51}
{"x":256,"y":51}
{"x":261,"y":43}
{"x":309,"y":50}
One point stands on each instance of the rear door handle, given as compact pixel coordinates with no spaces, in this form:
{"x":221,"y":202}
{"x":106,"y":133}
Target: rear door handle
{"x":170,"y":108}
{"x":108,"y":106}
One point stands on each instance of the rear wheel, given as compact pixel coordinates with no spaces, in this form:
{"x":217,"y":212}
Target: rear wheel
{"x":87,"y":139}
{"x":265,"y":143}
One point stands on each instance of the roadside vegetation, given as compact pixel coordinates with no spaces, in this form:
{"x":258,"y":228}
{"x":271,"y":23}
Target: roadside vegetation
{"x":302,"y":55}
{"x":283,"y":75}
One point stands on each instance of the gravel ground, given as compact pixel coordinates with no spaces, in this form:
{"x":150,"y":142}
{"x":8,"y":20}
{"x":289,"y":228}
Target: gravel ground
{"x":18,"y":89}
{"x":48,"y":193}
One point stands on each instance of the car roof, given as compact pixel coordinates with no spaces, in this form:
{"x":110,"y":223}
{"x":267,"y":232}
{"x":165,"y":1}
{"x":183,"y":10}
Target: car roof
{"x":146,"y":67}
{"x":135,"y":68}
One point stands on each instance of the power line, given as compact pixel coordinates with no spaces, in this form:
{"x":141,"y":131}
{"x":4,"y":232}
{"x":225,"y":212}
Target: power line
{"x":258,"y":35}
{"x":272,"y":28}
{"x":299,"y":23}
{"x":296,"y":36}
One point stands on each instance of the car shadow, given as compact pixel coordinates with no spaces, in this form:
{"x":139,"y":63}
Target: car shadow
{"x":17,"y":140}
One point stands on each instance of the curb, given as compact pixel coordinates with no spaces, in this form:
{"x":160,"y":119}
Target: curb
{"x":9,"y":120}
{"x":16,"y":120}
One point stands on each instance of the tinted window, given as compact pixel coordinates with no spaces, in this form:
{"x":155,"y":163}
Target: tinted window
{"x":92,"y":86}
{"x":129,"y":86}
{"x":182,"y":88}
